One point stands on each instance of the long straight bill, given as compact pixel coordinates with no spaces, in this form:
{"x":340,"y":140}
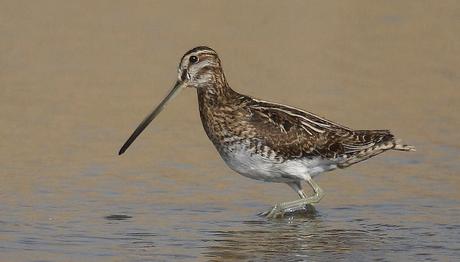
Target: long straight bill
{"x":174,"y":91}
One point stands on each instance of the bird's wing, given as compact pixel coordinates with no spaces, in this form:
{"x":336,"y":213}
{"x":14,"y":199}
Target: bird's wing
{"x":296,"y":133}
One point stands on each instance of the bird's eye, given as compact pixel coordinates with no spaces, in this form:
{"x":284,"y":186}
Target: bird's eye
{"x":193,"y":59}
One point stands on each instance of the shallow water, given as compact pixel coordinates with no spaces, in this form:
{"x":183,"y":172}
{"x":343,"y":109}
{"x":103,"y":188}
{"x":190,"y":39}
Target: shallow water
{"x":76,"y":78}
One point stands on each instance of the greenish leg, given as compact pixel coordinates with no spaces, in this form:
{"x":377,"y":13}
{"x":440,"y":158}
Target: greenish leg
{"x":280,"y":209}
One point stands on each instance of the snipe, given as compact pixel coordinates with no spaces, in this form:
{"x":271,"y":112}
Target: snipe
{"x":267,"y":141}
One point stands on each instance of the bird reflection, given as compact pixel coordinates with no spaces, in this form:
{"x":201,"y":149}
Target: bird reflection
{"x":300,"y":236}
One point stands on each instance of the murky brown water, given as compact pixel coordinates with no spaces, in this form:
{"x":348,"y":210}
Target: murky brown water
{"x":77,"y":77}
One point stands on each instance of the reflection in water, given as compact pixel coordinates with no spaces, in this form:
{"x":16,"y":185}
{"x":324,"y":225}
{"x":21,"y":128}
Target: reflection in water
{"x":288,"y":239}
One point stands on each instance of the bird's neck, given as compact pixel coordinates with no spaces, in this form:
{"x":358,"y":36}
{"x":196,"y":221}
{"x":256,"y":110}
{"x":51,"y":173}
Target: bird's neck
{"x":217,"y":103}
{"x":215,"y":91}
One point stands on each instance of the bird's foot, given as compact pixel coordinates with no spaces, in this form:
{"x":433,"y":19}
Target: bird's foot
{"x":278,"y":211}
{"x":275,"y":212}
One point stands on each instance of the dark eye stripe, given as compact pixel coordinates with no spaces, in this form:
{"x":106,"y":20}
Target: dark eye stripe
{"x":184,"y":75}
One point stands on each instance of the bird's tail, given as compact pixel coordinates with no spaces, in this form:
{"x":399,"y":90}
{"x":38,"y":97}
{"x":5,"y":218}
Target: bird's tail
{"x":402,"y":147}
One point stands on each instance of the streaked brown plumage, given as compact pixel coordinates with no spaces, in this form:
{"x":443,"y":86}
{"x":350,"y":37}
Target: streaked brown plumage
{"x":269,"y":141}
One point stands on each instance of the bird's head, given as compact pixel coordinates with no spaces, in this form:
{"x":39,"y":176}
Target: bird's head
{"x":200,"y":67}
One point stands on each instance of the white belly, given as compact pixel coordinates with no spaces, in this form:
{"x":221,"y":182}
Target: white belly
{"x":268,"y":169}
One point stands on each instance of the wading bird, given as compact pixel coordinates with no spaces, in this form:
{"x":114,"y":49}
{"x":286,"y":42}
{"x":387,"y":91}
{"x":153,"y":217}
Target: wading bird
{"x":268,"y":141}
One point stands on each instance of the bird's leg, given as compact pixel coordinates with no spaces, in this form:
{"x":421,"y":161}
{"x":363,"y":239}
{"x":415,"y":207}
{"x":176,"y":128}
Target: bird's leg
{"x":297,"y":187}
{"x":280,"y":209}
{"x":295,"y":205}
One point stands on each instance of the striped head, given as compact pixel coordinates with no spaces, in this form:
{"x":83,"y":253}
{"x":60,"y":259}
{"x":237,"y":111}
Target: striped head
{"x":200,"y":67}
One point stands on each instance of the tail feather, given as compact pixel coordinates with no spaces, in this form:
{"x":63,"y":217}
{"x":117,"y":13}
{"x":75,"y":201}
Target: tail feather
{"x":402,"y":147}
{"x":391,"y":143}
